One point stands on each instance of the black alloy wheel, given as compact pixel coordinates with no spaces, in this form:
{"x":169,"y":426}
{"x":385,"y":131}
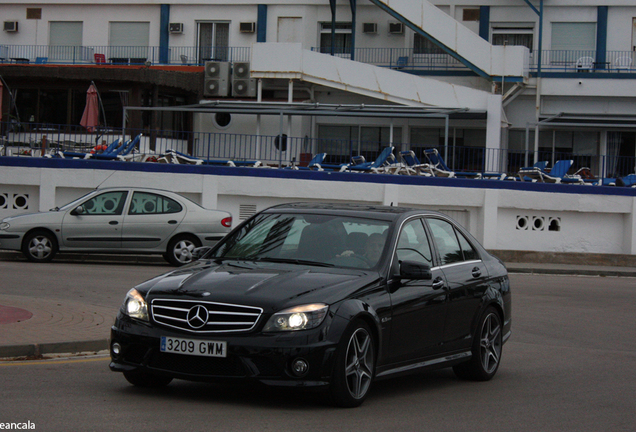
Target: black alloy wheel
{"x":355,"y":366}
{"x":486,"y":351}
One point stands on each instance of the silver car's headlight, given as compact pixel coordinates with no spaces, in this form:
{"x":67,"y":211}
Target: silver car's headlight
{"x":135,"y":305}
{"x":4,"y":226}
{"x":297,"y":318}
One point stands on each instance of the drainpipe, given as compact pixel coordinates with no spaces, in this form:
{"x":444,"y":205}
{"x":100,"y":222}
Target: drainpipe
{"x":261,"y":23}
{"x":164,"y":34}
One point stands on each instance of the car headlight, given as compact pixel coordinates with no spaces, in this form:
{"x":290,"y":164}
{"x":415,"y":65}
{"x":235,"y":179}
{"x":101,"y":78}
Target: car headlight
{"x":4,"y":225}
{"x":135,"y":306}
{"x":297,"y":318}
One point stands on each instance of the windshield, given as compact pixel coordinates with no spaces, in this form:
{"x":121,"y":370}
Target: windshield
{"x":75,"y":202}
{"x":327,"y":240}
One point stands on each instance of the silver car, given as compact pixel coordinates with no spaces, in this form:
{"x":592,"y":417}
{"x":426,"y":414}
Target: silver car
{"x":117,"y":220}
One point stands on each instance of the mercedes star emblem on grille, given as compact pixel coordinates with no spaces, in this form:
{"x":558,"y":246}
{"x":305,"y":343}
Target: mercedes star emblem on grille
{"x":198,"y":316}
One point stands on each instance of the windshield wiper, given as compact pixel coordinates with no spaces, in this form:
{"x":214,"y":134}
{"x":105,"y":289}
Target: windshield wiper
{"x":294,"y":261}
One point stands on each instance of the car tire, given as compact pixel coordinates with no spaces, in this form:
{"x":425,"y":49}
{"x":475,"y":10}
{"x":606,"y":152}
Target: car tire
{"x":180,"y":250}
{"x":144,"y":379}
{"x":39,"y":246}
{"x":355,"y":367}
{"x":486,"y":349}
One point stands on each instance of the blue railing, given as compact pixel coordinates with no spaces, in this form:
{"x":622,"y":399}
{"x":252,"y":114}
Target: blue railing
{"x":131,"y":55}
{"x":30,"y":139}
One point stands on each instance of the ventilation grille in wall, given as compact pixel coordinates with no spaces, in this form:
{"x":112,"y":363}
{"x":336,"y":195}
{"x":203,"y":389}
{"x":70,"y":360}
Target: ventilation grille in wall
{"x":538,"y":223}
{"x":246,"y":211}
{"x":15,"y":201}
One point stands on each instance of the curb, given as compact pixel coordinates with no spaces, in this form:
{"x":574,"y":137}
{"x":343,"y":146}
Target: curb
{"x":37,"y":350}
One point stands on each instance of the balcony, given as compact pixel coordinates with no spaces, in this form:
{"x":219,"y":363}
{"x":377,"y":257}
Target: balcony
{"x":35,"y":140}
{"x":552,"y":61}
{"x":120,"y":55}
{"x":405,"y":59}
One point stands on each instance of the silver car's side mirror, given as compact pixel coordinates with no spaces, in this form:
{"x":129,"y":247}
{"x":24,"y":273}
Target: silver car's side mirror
{"x":199,"y":252}
{"x":77,"y":211}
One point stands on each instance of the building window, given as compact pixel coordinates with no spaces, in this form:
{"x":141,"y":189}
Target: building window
{"x":34,"y":13}
{"x":422,"y":45}
{"x":214,"y":41}
{"x":342,"y":38}
{"x":65,"y":40}
{"x":513,"y":36}
{"x":129,"y":42}
{"x":470,"y":15}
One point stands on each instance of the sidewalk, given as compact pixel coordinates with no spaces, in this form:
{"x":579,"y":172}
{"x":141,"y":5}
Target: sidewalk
{"x":31,"y":326}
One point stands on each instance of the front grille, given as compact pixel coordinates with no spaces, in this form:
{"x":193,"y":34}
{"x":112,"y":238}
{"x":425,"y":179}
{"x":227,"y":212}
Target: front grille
{"x":194,"y":365}
{"x":197,"y":316}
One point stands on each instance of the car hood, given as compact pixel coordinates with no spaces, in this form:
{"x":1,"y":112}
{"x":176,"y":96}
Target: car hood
{"x":49,"y":217}
{"x":271,"y":286}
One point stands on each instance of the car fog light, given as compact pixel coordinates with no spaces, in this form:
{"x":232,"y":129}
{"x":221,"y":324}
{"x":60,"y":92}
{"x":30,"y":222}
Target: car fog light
{"x":116,"y":349}
{"x":300,"y":367}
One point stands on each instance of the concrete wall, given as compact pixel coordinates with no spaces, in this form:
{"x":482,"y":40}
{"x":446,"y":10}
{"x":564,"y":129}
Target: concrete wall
{"x":502,"y":215}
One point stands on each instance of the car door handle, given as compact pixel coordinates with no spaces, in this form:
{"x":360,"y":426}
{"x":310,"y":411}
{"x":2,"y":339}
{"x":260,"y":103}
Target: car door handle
{"x":172,"y":222}
{"x":476,"y":272}
{"x":438,"y":283}
{"x":113,"y":223}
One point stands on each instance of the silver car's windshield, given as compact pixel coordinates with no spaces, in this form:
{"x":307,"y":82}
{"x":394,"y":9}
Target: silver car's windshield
{"x":328,"y":240}
{"x":74,"y":203}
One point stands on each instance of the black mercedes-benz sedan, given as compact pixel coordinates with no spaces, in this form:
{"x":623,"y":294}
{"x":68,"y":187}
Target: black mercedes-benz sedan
{"x":321,"y":295}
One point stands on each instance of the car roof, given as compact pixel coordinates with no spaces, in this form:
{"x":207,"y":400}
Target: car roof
{"x":361,"y":210}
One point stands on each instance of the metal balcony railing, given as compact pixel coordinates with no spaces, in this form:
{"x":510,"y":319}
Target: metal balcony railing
{"x":584,"y":61}
{"x":408,"y":59}
{"x":126,"y":55}
{"x":30,"y":139}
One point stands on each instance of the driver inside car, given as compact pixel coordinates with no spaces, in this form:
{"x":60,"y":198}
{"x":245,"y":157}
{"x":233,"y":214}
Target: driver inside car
{"x":373,"y":249}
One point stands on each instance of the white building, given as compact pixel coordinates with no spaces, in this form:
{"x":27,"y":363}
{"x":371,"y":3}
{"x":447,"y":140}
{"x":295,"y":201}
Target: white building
{"x":583,"y":103}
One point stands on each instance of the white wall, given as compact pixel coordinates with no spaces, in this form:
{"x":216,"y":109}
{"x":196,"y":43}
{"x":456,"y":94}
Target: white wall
{"x":491,"y":214}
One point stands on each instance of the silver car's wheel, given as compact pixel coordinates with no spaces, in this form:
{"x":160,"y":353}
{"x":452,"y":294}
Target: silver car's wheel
{"x":487,"y":348}
{"x":180,"y":250}
{"x":355,"y":367}
{"x":39,"y":246}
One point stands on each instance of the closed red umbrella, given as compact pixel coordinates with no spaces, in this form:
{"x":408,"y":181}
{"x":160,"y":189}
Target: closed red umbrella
{"x":90,"y":118}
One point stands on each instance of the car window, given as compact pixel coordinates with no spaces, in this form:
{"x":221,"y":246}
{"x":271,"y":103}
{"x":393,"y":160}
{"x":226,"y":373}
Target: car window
{"x":109,"y":203}
{"x":413,"y":243}
{"x":334,"y":240}
{"x":467,"y":249}
{"x":150,"y":203}
{"x":446,"y":241}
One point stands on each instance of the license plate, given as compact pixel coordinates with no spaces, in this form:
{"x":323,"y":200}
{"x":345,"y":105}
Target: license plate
{"x":195,"y":347}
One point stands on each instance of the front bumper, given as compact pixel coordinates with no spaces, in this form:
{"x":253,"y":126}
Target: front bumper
{"x":10,"y":241}
{"x":266,"y":358}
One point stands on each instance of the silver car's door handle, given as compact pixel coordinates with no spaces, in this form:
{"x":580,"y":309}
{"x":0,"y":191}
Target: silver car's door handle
{"x":172,"y":222}
{"x":113,"y":223}
{"x":476,"y":272}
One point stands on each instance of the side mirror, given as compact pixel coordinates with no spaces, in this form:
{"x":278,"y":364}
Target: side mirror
{"x":199,"y":252}
{"x":77,"y":211}
{"x":415,"y":270}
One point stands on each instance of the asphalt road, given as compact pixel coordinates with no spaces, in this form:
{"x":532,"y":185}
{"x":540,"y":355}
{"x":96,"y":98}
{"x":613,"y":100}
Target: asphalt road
{"x":569,"y":366}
